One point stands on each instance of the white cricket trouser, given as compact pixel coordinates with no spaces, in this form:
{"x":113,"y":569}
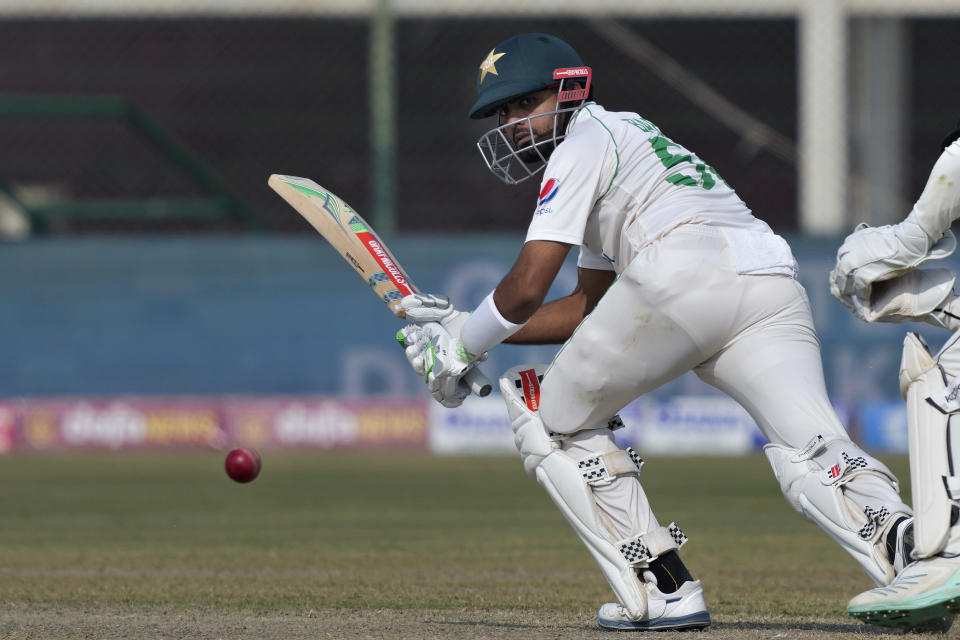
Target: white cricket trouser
{"x":681,"y":306}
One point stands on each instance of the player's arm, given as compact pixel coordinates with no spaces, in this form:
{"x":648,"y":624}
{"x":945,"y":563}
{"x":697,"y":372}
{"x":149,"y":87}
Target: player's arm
{"x":522,"y":291}
{"x":555,"y":322}
{"x":517,"y":298}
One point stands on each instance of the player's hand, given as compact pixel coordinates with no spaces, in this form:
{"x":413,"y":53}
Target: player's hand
{"x":441,"y":359}
{"x":911,"y":296}
{"x":445,"y":364}
{"x":874,"y":254}
{"x":422,"y":308}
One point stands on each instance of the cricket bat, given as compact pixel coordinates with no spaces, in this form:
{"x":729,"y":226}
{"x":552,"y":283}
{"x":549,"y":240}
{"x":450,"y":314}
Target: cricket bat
{"x":360,"y":246}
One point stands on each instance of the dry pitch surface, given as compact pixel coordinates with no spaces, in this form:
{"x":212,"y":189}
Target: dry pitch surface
{"x":383,"y":546}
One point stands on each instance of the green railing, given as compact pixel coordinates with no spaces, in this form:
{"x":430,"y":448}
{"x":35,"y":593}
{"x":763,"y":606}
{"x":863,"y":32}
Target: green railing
{"x":218,"y":205}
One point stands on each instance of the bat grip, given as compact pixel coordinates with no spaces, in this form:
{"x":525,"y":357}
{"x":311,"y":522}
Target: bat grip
{"x":480,"y":385}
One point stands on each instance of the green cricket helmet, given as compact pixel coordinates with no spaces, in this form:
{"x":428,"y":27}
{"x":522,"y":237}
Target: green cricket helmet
{"x":516,"y":150}
{"x":518,"y":66}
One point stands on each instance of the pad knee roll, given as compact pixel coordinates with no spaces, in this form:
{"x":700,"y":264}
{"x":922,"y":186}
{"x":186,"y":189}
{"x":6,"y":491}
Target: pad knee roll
{"x":814,"y":480}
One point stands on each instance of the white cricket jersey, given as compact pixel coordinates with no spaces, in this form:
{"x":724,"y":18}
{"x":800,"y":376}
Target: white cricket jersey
{"x":939,"y":204}
{"x":616,"y":183}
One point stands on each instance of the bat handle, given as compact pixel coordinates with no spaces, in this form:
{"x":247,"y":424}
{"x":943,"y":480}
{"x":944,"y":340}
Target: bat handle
{"x":480,"y":385}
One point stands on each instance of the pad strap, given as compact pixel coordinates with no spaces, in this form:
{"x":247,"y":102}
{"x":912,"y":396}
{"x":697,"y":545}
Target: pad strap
{"x":843,"y":469}
{"x":602,"y":469}
{"x":640,"y":550}
{"x":875,"y":521}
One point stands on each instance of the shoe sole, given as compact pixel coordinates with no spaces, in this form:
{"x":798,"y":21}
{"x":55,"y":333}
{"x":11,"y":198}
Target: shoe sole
{"x":944,"y":601}
{"x":692,"y":622}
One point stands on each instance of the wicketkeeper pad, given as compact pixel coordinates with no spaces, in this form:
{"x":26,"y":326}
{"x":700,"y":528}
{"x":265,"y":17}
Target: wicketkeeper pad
{"x":569,"y":482}
{"x":931,"y":406}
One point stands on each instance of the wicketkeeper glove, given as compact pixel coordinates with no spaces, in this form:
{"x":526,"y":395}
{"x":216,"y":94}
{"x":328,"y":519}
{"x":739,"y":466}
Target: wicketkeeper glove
{"x":874,"y":254}
{"x":913,"y":296}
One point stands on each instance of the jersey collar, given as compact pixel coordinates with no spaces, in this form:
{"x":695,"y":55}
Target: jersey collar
{"x":576,"y":114}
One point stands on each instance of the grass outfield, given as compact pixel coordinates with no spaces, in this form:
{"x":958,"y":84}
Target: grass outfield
{"x":382,"y":545}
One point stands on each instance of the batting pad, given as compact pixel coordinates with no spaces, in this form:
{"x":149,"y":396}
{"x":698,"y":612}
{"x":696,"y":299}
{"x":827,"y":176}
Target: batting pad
{"x":559,"y":474}
{"x":814,"y":480}
{"x":570,"y":478}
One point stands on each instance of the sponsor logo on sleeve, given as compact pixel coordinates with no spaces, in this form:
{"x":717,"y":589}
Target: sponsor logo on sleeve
{"x":547,"y":193}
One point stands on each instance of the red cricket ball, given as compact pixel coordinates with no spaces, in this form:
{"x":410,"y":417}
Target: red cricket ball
{"x":243,"y":464}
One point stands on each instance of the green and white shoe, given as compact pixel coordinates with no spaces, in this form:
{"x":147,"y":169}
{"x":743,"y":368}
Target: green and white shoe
{"x":925,"y":590}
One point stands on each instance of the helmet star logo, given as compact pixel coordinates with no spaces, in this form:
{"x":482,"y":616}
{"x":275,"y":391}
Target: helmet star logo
{"x":489,"y":64}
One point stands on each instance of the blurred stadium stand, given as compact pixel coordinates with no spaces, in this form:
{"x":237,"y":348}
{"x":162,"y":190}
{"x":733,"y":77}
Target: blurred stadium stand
{"x":821,"y":113}
{"x":283,"y":87}
{"x":52,"y":207}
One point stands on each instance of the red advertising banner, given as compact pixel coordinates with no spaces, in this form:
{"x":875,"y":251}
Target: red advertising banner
{"x":175,"y":423}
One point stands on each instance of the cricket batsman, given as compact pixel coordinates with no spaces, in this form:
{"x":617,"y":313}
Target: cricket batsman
{"x":878,"y":277}
{"x":675,"y":274}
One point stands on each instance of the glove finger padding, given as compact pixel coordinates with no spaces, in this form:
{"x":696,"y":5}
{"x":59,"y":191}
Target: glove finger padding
{"x":874,"y":254}
{"x":847,"y":299}
{"x":909,"y":297}
{"x":414,"y":341}
{"x":426,"y":307}
{"x":862,"y":258}
{"x":446,"y":362}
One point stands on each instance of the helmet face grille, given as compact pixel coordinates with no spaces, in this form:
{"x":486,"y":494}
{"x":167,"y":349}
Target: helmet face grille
{"x":514,"y":164}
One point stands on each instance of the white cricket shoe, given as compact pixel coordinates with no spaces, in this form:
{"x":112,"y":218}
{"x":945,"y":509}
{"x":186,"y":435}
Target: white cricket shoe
{"x":682,"y":609}
{"x":925,"y":590}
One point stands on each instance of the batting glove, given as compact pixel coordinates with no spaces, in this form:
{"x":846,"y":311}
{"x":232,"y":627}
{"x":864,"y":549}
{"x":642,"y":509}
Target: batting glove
{"x":422,"y":308}
{"x":441,"y":359}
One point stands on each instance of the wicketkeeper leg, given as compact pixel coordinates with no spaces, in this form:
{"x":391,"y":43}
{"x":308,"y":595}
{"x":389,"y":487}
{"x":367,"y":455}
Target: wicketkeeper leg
{"x":929,"y":588}
{"x":934,"y":449}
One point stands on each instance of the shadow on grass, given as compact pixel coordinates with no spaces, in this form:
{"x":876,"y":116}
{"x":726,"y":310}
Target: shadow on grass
{"x":843,"y":629}
{"x":847,"y":629}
